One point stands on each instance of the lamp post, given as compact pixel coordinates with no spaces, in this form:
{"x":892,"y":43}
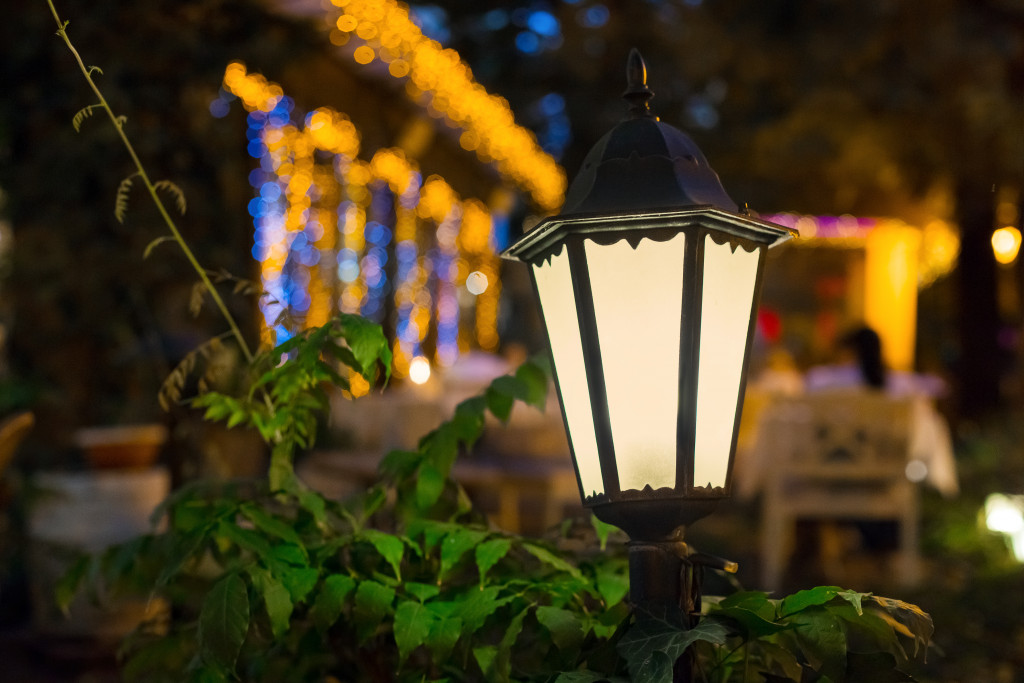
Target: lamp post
{"x":648,"y":283}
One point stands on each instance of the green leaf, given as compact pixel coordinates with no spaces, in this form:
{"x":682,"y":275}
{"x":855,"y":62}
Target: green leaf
{"x":330,"y":600}
{"x":808,"y":598}
{"x":603,"y":530}
{"x":564,"y":626}
{"x":612,"y":584}
{"x":534,"y":382}
{"x":499,"y":402}
{"x":441,"y":447}
{"x":906,"y":618}
{"x":400,"y":465}
{"x":429,"y":486}
{"x":244,"y":538}
{"x":421,"y":591}
{"x":751,"y":624}
{"x":276,"y":599}
{"x":821,"y":638}
{"x":373,"y":603}
{"x":300,"y":581}
{"x":552,"y":560}
{"x":368,"y":344}
{"x":269,"y":524}
{"x":391,"y":548}
{"x":71,"y":581}
{"x":444,"y":634}
{"x":413,"y":622}
{"x":651,"y":646}
{"x":224,"y":621}
{"x":489,"y":553}
{"x":484,"y":657}
{"x":455,"y":545}
{"x":475,"y":606}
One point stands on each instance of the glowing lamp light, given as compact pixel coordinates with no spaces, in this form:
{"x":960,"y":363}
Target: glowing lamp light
{"x":419,"y":370}
{"x":1006,"y":244}
{"x":648,"y":285}
{"x":1005,"y":514}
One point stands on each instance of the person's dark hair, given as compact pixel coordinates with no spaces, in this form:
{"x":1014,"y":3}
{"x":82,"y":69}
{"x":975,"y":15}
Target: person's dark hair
{"x":865,"y":343}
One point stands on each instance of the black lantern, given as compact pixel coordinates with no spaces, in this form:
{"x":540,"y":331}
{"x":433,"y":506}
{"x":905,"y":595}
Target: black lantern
{"x":648,"y":283}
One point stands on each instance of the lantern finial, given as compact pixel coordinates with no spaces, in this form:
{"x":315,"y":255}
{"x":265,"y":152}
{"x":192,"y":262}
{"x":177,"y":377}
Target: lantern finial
{"x":637,"y":93}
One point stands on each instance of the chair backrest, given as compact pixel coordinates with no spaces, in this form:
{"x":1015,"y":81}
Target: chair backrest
{"x":841,"y":435}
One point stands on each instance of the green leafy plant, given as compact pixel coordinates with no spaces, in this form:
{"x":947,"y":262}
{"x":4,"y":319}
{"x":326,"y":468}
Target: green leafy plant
{"x":267,"y":580}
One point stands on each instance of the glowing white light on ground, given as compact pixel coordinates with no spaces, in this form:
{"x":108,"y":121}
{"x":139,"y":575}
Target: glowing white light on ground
{"x":419,"y":370}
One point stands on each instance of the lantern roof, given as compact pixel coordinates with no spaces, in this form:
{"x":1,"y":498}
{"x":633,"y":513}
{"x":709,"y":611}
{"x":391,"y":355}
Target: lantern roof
{"x":644,"y":163}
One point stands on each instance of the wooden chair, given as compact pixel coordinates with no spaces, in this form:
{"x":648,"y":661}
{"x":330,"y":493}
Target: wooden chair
{"x":837,"y":456}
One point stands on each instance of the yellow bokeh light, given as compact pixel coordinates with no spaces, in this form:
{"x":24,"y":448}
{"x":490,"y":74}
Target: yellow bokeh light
{"x":363,"y":54}
{"x":1006,"y":244}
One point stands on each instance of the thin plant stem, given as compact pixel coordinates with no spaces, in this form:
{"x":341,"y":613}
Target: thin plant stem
{"x":141,"y":173}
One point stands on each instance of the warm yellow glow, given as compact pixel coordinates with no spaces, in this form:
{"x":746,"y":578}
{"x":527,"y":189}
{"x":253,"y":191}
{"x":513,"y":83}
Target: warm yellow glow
{"x":558,"y":304}
{"x":441,"y":81}
{"x":638,"y":295}
{"x":890,"y":296}
{"x":727,"y":299}
{"x":1006,"y":244}
{"x":419,"y":370}
{"x":312,"y":189}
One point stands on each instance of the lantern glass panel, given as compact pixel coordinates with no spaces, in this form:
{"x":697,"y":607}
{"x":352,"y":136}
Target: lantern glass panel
{"x":558,"y":305}
{"x":638,"y":296}
{"x":729,"y":279}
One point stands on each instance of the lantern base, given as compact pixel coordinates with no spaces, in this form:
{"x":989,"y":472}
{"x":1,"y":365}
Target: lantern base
{"x":652,"y":519}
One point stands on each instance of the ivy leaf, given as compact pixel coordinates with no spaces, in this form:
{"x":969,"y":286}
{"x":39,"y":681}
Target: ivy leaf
{"x":330,"y":600}
{"x":564,"y":626}
{"x":587,"y":677}
{"x":390,"y":547}
{"x":372,"y":605}
{"x":413,"y":622}
{"x":224,"y":621}
{"x":489,"y":553}
{"x":651,"y":646}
